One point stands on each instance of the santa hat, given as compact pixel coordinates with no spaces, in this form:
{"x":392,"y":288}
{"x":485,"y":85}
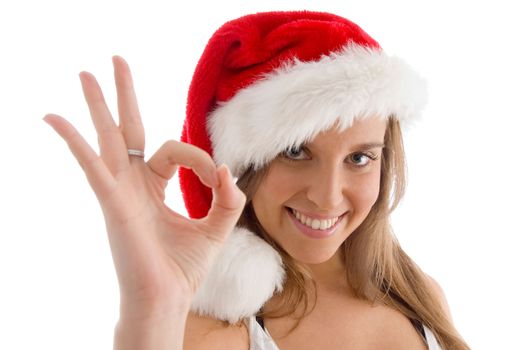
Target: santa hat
{"x":267,"y":82}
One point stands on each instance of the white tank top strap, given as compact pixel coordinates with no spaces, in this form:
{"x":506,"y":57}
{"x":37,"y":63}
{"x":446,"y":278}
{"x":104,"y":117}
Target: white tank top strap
{"x":260,"y":339}
{"x":432,"y":343}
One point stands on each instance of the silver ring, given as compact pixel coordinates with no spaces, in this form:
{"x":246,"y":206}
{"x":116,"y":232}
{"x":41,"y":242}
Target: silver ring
{"x":136,"y":153}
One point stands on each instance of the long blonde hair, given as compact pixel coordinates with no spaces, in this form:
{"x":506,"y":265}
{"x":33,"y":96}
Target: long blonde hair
{"x":378,"y":269}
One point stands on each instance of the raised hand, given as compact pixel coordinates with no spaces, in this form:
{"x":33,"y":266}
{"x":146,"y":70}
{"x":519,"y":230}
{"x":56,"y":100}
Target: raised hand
{"x":160,"y":256}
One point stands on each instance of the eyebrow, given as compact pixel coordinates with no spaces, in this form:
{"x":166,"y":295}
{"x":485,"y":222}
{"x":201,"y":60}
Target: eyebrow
{"x":362,"y":146}
{"x":369,"y":145}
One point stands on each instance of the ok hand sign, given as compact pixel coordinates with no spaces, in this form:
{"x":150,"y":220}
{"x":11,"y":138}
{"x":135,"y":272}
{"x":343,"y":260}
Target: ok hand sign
{"x":160,"y":256}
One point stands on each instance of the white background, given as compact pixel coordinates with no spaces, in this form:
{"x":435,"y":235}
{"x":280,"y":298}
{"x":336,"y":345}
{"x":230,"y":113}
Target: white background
{"x":462,"y":219}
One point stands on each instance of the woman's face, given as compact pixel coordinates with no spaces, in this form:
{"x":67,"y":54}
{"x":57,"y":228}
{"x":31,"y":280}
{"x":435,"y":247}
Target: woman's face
{"x":332,"y":181}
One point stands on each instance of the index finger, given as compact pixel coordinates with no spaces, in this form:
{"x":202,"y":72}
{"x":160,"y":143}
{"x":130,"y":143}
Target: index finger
{"x":173,"y":153}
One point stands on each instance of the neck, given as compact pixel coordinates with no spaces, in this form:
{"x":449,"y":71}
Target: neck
{"x":331,"y":281}
{"x":330,"y":275}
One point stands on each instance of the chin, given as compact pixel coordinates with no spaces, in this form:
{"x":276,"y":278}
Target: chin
{"x":314,"y":257}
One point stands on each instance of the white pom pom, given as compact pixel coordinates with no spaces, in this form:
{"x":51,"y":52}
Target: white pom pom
{"x":244,"y":276}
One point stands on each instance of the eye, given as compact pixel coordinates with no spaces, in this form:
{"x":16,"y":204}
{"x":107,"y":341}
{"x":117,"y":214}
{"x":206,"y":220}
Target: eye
{"x":293,"y":153}
{"x":362,"y":159}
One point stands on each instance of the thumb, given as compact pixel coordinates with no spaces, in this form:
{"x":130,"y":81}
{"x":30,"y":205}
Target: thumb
{"x":227,"y":204}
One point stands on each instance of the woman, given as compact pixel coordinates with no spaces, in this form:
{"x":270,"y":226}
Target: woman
{"x":305,"y":109}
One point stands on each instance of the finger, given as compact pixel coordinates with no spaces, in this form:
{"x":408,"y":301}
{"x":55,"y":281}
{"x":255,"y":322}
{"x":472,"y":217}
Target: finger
{"x":129,"y":117}
{"x":227,"y":204}
{"x":112,"y":145}
{"x":99,"y":177}
{"x":172,"y":154}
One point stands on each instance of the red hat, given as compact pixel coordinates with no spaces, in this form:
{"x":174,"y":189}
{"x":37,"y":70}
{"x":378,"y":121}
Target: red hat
{"x":270,"y":81}
{"x":273,"y":80}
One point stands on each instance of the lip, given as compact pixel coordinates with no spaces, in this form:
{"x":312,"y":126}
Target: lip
{"x":310,"y":232}
{"x":317,"y":216}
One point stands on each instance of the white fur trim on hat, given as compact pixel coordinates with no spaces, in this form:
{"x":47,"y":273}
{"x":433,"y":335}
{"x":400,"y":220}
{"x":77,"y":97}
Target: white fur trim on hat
{"x":295,"y":102}
{"x":244,"y":276}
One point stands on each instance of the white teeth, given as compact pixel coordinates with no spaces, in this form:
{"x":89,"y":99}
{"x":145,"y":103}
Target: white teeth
{"x":314,"y":223}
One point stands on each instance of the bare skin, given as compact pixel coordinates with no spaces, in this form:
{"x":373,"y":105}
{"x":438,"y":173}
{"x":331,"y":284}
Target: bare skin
{"x":160,"y":256}
{"x":339,"y":320}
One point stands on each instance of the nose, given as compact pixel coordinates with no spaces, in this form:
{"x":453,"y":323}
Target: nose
{"x":326,"y":187}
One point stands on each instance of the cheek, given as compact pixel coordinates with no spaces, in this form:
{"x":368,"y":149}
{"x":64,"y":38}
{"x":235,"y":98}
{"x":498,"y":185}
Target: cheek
{"x":270,"y":196}
{"x":365,"y":190}
{"x":280,"y":184}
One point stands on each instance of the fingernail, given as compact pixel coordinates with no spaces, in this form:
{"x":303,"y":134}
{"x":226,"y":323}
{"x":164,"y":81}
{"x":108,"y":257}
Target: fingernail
{"x":214,"y":178}
{"x":234,"y":179}
{"x":227,"y":170}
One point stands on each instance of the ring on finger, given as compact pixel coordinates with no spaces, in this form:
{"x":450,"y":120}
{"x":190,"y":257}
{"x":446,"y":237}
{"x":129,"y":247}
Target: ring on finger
{"x":136,"y":153}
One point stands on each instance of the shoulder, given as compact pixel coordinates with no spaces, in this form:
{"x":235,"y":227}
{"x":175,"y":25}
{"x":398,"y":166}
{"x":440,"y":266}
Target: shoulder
{"x":439,"y":292}
{"x":208,"y":333}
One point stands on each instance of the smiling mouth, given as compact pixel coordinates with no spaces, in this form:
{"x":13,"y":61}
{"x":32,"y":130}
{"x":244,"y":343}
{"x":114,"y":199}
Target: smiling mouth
{"x":314,"y":223}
